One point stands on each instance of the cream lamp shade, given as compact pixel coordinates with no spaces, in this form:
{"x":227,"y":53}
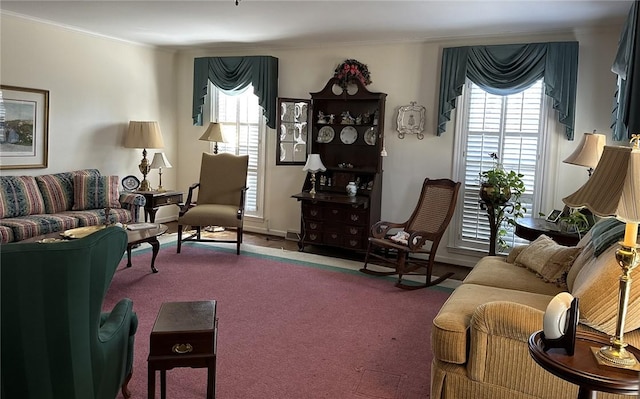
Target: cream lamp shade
{"x":144,"y":134}
{"x":614,"y":190}
{"x":588,"y":152}
{"x":314,"y":164}
{"x":159,"y":161}
{"x":213,"y":134}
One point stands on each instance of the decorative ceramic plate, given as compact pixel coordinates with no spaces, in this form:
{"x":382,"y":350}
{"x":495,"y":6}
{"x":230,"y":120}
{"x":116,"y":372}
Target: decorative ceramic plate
{"x":130,"y":183}
{"x":81,"y":232}
{"x":370,"y":135}
{"x":325,"y":134}
{"x":348,"y":135}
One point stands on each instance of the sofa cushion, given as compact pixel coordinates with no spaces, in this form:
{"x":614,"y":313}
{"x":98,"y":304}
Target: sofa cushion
{"x":6,"y":234}
{"x":25,"y":227}
{"x":57,"y":189}
{"x":95,"y":192}
{"x":96,"y":216}
{"x":19,"y":196}
{"x":495,"y":271}
{"x":449,"y":335}
{"x":597,"y":285}
{"x":550,"y":260}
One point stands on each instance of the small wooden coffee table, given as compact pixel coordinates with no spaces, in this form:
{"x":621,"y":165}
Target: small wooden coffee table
{"x":184,"y":335}
{"x":150,"y":236}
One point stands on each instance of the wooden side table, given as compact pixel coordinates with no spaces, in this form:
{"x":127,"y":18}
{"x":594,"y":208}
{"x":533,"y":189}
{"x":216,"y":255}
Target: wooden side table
{"x":184,"y":335}
{"x":156,"y":199}
{"x":582,"y":368}
{"x":532,"y":228}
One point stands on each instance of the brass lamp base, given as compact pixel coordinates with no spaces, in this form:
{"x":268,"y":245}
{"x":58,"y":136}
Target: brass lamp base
{"x":313,"y":184}
{"x":144,"y":185}
{"x":614,"y":357}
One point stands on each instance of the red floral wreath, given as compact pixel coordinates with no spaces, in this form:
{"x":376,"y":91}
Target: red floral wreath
{"x":351,"y":70}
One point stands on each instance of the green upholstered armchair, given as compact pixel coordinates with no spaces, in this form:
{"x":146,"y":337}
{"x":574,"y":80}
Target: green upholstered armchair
{"x":56,"y":341}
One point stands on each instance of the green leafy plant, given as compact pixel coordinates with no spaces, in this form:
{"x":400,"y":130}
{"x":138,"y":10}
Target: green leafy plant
{"x":575,"y":222}
{"x":501,"y":190}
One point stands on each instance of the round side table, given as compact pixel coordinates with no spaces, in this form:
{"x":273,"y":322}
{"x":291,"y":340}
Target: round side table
{"x":582,"y":368}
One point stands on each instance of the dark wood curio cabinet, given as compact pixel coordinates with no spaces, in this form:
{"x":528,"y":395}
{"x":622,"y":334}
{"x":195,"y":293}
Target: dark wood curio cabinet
{"x":347,"y":131}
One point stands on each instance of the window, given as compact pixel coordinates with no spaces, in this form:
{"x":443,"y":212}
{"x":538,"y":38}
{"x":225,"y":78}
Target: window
{"x":243,"y":126}
{"x":510,"y":126}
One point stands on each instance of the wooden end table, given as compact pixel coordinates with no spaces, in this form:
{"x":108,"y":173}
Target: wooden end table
{"x":156,"y":199}
{"x":150,"y":236}
{"x":583,"y":369}
{"x":184,"y":335}
{"x":532,"y":228}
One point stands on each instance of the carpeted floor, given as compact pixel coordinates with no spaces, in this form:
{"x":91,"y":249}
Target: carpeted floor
{"x":288,"y":328}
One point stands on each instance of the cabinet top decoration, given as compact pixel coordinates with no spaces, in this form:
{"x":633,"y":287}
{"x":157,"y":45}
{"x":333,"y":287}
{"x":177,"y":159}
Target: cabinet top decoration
{"x":351,"y":70}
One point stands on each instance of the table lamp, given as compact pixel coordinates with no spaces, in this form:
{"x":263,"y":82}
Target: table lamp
{"x":214,"y":134}
{"x":614,"y":190}
{"x":314,"y":164}
{"x":160,"y":161}
{"x":588,"y":152}
{"x":144,"y":134}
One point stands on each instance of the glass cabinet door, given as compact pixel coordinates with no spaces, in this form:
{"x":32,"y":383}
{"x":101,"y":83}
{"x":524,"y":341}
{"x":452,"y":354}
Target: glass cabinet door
{"x":293,"y":131}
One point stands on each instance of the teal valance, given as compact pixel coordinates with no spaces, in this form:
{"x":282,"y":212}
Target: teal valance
{"x":509,"y":69}
{"x":236,"y":73}
{"x":626,"y":118}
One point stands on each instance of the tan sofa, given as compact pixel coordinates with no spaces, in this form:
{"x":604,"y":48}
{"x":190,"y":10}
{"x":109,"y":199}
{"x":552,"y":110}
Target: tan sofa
{"x":479,"y":337}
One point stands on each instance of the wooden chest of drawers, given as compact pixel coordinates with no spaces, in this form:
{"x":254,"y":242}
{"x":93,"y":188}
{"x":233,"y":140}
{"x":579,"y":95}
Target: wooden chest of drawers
{"x":335,"y":220}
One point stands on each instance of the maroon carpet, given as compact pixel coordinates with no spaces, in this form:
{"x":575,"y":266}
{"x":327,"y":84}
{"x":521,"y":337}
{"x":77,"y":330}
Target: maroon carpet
{"x":286,"y":329}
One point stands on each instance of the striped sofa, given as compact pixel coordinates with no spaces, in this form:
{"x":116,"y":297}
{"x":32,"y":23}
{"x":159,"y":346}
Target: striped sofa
{"x":479,"y":337}
{"x":35,"y":205}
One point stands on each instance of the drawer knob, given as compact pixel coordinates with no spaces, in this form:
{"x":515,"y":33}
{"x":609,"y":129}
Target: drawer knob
{"x":313,"y":236}
{"x":354,"y":217}
{"x":335,"y":211}
{"x":353,"y":230}
{"x":334,"y":235}
{"x":353,"y":243}
{"x":313,"y":226}
{"x":182,"y":348}
{"x":314,"y":212}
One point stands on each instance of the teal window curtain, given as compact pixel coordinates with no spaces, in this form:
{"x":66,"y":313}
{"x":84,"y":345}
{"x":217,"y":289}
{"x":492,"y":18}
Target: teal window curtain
{"x":627,"y":96}
{"x":509,"y":69}
{"x":236,"y":73}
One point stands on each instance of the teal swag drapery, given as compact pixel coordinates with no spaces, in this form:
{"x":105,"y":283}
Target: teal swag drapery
{"x":236,"y":73}
{"x":626,"y":118}
{"x":509,"y":69}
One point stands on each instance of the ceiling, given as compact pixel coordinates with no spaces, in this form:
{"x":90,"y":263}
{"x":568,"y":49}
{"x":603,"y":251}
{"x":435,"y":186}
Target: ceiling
{"x":267,"y":23}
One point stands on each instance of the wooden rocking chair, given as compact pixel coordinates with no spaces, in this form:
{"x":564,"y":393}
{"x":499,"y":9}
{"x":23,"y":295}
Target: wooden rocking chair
{"x":427,"y":223}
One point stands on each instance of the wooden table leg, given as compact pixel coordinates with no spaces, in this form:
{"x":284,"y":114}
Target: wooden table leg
{"x":585,"y":393}
{"x":129,"y":255}
{"x":211,"y":380}
{"x":151,"y":383}
{"x":155,"y":245}
{"x":163,"y":384}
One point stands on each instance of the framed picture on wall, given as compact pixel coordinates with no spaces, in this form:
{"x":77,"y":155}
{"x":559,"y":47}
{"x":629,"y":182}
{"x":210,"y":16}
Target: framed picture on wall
{"x":24,"y":127}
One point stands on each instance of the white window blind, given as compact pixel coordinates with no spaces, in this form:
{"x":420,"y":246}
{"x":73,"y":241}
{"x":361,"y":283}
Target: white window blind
{"x":510,"y":126}
{"x":242,"y":123}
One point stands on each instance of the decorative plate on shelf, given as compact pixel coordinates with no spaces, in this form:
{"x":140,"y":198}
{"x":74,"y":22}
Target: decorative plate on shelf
{"x":370,"y":135}
{"x":130,"y":183}
{"x":348,"y":135}
{"x":325,"y":134}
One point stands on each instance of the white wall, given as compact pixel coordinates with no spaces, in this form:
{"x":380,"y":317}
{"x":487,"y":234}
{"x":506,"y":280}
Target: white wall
{"x":97,"y":85}
{"x":406,"y":72}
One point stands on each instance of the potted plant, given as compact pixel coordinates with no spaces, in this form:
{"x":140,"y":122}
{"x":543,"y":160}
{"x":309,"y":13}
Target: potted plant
{"x":575,"y":222}
{"x":500,"y":191}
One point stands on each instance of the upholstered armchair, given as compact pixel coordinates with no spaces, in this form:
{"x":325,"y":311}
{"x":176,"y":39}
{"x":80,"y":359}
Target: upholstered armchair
{"x":221,"y":193}
{"x":56,"y":341}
